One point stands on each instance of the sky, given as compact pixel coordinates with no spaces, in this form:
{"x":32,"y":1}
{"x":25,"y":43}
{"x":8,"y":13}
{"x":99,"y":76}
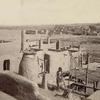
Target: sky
{"x":37,"y":12}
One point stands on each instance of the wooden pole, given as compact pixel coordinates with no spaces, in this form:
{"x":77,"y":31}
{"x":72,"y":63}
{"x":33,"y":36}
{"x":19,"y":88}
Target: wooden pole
{"x":70,"y":67}
{"x":44,"y":79}
{"x":87,"y":70}
{"x":23,"y":40}
{"x":40,"y":43}
{"x":81,"y":60}
{"x":75,"y":73}
{"x":48,"y":40}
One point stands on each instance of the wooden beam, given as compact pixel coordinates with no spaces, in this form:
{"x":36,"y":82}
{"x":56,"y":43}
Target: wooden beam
{"x":74,"y":91}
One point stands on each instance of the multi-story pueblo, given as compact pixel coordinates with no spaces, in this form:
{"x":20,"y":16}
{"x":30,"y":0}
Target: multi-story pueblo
{"x":58,"y":59}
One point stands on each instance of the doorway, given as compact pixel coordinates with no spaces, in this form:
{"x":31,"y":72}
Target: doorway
{"x":47,"y":62}
{"x":6,"y":64}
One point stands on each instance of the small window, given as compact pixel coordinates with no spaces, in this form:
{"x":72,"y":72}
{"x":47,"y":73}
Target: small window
{"x":6,"y":64}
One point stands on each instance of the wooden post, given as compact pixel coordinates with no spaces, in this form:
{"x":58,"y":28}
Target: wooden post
{"x":80,"y":61}
{"x":23,"y":40}
{"x":75,"y":74}
{"x":58,"y":45}
{"x":70,"y":67}
{"x":40,"y":43}
{"x":87,"y":69}
{"x":48,"y":40}
{"x":44,"y":79}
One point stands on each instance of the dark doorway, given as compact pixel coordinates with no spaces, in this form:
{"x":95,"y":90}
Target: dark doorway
{"x":57,"y":45}
{"x":6,"y":64}
{"x":47,"y":62}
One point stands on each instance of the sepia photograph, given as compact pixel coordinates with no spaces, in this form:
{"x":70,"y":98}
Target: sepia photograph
{"x":49,"y":49}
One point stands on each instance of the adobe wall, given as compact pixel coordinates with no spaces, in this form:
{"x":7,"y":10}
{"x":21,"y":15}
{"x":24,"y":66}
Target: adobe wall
{"x":14,"y":62}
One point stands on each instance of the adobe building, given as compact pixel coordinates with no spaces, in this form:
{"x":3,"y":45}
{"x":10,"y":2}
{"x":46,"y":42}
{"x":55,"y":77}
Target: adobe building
{"x":10,"y":55}
{"x":10,"y":62}
{"x":7,"y":62}
{"x":31,"y":63}
{"x":45,"y":57}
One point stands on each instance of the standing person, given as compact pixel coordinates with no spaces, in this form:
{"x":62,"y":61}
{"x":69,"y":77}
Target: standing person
{"x":59,"y":77}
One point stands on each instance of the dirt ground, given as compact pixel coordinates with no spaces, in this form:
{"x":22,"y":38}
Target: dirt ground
{"x":51,"y":94}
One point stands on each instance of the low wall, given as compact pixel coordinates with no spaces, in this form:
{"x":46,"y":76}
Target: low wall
{"x":19,"y":87}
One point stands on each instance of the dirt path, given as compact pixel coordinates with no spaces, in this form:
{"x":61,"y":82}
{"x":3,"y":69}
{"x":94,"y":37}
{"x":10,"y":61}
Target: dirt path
{"x":51,"y":94}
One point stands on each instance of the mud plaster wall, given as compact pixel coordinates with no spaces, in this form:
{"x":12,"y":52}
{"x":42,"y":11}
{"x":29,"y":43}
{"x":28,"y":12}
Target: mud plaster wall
{"x":19,"y":87}
{"x":58,"y":59}
{"x":14,"y":62}
{"x":30,"y":66}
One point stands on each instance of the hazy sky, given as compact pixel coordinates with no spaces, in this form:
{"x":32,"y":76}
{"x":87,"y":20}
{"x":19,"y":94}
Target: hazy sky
{"x":31,"y":12}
